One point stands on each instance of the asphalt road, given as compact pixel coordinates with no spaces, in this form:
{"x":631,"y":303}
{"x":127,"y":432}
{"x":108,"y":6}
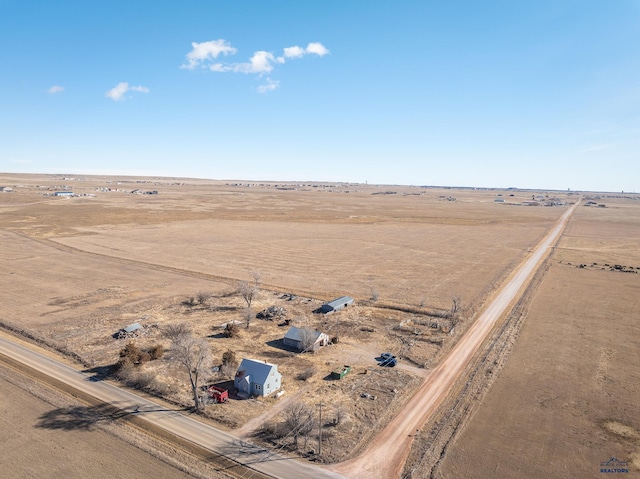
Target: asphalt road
{"x":386,"y":455}
{"x":174,"y":421}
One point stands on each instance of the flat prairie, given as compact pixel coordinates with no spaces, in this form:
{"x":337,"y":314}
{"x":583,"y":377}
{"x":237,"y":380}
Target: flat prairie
{"x":567,"y":400}
{"x":40,"y":440}
{"x":124,"y":250}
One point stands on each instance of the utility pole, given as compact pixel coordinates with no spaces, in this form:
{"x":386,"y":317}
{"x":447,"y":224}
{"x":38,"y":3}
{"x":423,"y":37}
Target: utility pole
{"x":320,"y":431}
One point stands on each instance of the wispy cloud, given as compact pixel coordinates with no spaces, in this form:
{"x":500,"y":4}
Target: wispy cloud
{"x":118,"y":92}
{"x":269,"y":86}
{"x":55,"y":89}
{"x":204,"y":55}
{"x":204,"y":52}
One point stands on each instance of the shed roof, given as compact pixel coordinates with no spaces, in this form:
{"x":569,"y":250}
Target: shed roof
{"x":258,"y":370}
{"x":341,"y":301}
{"x":132,"y":327}
{"x":295,"y":333}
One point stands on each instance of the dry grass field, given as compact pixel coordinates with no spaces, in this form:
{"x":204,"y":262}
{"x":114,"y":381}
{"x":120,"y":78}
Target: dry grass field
{"x":568,"y":398}
{"x":34,"y":444}
{"x":76,"y":270}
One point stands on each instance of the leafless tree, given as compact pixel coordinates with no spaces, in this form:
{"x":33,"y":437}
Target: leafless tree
{"x":374,"y":294}
{"x":307,"y":339}
{"x":257,"y":278}
{"x":300,"y":420}
{"x":175,"y":332}
{"x":456,"y":306}
{"x":248,"y":292}
{"x":194,"y":355}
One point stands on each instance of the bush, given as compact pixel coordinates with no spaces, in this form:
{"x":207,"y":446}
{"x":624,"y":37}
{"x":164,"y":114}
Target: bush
{"x":231,"y":331}
{"x":156,"y":352}
{"x":229,"y":357}
{"x":132,"y":353}
{"x":203,"y":297}
{"x":306,"y":374}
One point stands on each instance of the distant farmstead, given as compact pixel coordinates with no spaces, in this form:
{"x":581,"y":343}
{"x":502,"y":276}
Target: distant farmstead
{"x":257,"y":378}
{"x":336,"y":305}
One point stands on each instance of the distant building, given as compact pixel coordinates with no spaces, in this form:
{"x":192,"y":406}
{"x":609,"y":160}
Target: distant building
{"x":63,"y":193}
{"x":305,"y":339}
{"x":336,"y":305}
{"x":499,"y":200}
{"x":257,"y":378}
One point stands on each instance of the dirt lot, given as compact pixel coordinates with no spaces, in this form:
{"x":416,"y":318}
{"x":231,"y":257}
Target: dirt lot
{"x":79,"y":269}
{"x":567,"y":399}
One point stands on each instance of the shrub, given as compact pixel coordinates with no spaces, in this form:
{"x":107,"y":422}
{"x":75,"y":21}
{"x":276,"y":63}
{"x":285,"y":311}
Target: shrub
{"x":156,"y":352}
{"x":229,"y":357}
{"x":231,"y":331}
{"x":203,"y":297}
{"x":306,"y":374}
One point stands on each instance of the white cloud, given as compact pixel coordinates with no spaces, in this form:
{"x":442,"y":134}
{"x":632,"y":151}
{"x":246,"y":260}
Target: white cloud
{"x":317,"y":48}
{"x":260,"y":63}
{"x":269,"y":86}
{"x":117,"y":93}
{"x":56,"y":89}
{"x":294,"y":52}
{"x":207,"y":51}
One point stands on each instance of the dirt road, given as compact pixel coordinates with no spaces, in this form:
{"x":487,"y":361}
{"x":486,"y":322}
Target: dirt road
{"x":386,"y":455}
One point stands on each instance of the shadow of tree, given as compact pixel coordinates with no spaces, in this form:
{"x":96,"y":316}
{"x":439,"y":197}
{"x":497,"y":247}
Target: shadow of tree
{"x":86,"y":418}
{"x":83,"y":418}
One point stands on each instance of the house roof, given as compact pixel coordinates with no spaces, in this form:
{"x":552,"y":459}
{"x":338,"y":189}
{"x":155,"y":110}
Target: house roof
{"x":296,"y":334}
{"x":258,"y":370}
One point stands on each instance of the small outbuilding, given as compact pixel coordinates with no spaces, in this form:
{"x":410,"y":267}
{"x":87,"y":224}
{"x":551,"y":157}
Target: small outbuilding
{"x":305,"y":339}
{"x":336,"y":304}
{"x":257,"y":378}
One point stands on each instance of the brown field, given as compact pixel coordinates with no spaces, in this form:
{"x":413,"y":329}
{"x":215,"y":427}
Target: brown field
{"x":568,"y":397}
{"x":34,"y":444}
{"x":78,"y":269}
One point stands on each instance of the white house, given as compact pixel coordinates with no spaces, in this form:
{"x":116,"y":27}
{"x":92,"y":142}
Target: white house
{"x":257,"y":378}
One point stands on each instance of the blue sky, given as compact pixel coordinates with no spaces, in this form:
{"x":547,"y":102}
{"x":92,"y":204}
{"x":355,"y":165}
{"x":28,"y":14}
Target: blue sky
{"x":541,"y":94}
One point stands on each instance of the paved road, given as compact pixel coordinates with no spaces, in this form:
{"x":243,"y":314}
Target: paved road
{"x":386,"y":455}
{"x":177,"y":422}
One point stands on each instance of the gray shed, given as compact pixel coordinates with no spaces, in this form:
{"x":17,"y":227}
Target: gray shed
{"x":336,"y":304}
{"x":257,"y":378}
{"x":305,"y":339}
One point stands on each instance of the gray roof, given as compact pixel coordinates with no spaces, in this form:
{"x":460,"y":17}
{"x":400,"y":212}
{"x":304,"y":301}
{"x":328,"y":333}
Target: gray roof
{"x":132,"y":327}
{"x":341,"y":301}
{"x":258,"y":370}
{"x":294,"y":333}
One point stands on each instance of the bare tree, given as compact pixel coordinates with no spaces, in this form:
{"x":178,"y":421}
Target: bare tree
{"x":194,"y":355}
{"x":176,"y":332}
{"x":307,"y":339}
{"x":300,"y":420}
{"x":374,"y":294}
{"x":248,"y":292}
{"x":257,"y":278}
{"x":456,"y":306}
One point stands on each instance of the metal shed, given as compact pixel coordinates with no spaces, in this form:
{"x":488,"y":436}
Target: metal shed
{"x":336,"y":305}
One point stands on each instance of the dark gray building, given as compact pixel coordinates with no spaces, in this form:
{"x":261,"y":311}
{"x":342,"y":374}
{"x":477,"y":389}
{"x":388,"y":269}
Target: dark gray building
{"x":336,"y":305}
